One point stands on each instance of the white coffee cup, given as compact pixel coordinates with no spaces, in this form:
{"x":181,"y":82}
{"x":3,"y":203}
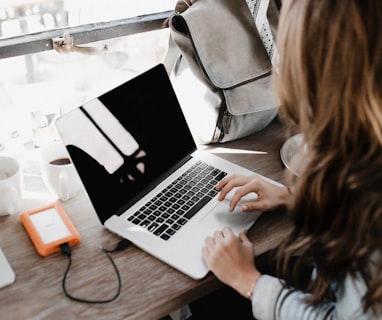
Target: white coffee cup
{"x":10,"y":185}
{"x":58,"y":172}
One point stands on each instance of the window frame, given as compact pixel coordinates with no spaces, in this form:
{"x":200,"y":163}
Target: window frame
{"x":87,"y":33}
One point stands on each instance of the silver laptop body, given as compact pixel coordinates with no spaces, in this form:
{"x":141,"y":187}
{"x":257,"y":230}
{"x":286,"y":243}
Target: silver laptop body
{"x":128,"y":146}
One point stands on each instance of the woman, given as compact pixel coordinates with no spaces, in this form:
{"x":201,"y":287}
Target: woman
{"x":330,"y":86}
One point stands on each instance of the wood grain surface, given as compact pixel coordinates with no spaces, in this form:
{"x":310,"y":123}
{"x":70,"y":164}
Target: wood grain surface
{"x":150,"y":288}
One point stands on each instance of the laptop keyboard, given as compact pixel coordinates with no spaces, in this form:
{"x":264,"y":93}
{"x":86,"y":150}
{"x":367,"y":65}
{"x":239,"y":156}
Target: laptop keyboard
{"x":176,"y":204}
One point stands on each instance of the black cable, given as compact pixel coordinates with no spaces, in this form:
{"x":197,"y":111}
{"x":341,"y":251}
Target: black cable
{"x":67,"y":251}
{"x":124,"y":243}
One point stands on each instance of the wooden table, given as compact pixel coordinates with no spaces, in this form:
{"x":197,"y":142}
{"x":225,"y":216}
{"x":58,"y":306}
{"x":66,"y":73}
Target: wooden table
{"x":150,"y":288}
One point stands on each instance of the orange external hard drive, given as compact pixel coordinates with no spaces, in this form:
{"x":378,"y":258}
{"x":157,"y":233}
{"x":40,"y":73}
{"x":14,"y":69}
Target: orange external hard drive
{"x":49,"y":227}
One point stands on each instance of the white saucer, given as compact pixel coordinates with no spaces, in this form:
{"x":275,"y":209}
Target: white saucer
{"x":290,"y":151}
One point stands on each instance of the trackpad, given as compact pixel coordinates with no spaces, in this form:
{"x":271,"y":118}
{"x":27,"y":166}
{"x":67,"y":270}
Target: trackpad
{"x":220,"y":217}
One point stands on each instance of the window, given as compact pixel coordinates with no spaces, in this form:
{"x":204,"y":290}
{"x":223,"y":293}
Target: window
{"x":38,"y":83}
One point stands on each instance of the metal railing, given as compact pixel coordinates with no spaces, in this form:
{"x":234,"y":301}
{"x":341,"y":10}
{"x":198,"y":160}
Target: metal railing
{"x":46,"y":40}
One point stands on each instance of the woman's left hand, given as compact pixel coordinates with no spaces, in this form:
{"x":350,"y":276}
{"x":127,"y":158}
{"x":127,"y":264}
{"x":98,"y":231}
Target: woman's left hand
{"x":231,"y":259}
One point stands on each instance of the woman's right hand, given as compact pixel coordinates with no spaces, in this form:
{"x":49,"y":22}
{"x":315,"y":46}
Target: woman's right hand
{"x":269,"y":195}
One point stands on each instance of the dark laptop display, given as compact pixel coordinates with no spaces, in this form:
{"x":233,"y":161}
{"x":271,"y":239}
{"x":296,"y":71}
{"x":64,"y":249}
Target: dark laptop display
{"x":148,"y":114}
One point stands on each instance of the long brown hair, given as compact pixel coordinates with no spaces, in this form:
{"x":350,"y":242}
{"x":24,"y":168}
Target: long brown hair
{"x":330,"y":86}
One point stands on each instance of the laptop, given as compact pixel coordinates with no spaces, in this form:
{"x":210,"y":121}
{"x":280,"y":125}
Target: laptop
{"x":144,"y":175}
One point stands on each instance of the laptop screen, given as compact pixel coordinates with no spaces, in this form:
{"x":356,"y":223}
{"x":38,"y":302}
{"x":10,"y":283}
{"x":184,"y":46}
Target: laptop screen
{"x":126,"y":139}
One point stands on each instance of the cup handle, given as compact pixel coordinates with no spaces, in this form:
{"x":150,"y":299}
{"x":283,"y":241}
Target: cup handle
{"x":12,"y":200}
{"x":64,"y":187}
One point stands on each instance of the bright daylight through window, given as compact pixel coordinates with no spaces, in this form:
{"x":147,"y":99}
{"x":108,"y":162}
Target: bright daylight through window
{"x":36,"y":88}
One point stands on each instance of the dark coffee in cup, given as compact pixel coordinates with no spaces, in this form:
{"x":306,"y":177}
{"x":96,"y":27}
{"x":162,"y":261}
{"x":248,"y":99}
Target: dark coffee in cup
{"x":60,"y":161}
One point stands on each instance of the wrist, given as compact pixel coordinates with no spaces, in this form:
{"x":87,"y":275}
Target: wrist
{"x":287,"y":194}
{"x":248,"y":286}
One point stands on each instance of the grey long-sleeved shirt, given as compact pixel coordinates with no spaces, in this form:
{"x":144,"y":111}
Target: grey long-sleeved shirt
{"x":272,"y":301}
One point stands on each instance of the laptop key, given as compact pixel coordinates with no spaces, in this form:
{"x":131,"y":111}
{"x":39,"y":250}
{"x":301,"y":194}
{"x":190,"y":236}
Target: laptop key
{"x":197,"y":207}
{"x":176,"y":226}
{"x":145,"y":223}
{"x":212,"y":193}
{"x":153,"y":226}
{"x":165,"y":236}
{"x":220,"y":176}
{"x":162,"y":228}
{"x":171,"y":232}
{"x":182,"y":221}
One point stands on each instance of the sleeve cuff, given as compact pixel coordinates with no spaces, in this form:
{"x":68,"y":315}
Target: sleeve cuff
{"x":265,"y":295}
